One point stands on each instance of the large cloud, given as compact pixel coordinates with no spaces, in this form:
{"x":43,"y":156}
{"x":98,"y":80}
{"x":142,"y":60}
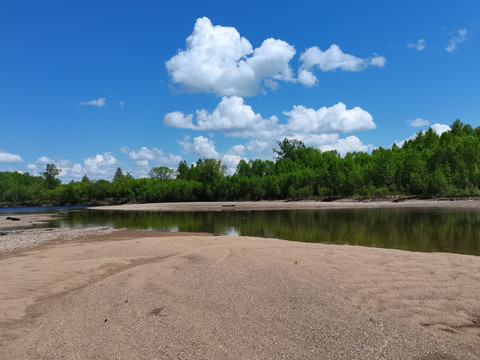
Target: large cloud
{"x":231,"y":116}
{"x":336,"y":119}
{"x":6,"y":157}
{"x":200,"y":146}
{"x":100,"y":164}
{"x":331,"y":59}
{"x":218,"y":60}
{"x":103,"y":166}
{"x":319,"y":128}
{"x":143,"y":155}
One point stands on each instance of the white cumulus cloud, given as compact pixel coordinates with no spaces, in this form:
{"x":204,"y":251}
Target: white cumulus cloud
{"x":315,"y":127}
{"x":331,"y":59}
{"x":200,"y":146}
{"x":419,"y":122}
{"x":457,"y":38}
{"x":143,"y":155}
{"x":307,"y":78}
{"x":205,"y":148}
{"x":39,"y":165}
{"x":344,"y":146}
{"x":237,"y":150}
{"x":179,"y":120}
{"x":440,"y":128}
{"x":100,"y":164}
{"x":336,"y":118}
{"x":231,"y":116}
{"x":125,"y":149}
{"x":419,"y":45}
{"x":218,"y":60}
{"x":100,"y":102}
{"x":43,"y":160}
{"x":6,"y":157}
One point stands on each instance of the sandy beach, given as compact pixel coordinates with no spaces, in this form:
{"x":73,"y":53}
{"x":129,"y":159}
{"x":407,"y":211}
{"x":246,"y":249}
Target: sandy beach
{"x":473,"y":203}
{"x":149,"y":295}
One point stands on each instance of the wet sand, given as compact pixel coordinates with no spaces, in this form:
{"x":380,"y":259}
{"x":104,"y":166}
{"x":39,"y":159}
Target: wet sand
{"x":148,"y":295}
{"x":473,"y":203}
{"x":26,"y":231}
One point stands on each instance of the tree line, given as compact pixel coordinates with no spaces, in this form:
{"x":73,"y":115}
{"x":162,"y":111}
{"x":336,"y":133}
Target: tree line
{"x":428,"y":165}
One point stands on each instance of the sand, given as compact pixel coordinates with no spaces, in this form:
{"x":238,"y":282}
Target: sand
{"x":472,"y":204}
{"x":149,"y":295}
{"x":26,"y":231}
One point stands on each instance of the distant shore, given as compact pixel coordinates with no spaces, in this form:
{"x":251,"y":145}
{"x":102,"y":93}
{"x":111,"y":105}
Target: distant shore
{"x":473,"y":203}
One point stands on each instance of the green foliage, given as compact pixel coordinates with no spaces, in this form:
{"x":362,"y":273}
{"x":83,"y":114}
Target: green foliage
{"x":50,"y":174}
{"x":428,"y":165}
{"x":118,"y":174}
{"x":161,"y":173}
{"x":288,"y":149}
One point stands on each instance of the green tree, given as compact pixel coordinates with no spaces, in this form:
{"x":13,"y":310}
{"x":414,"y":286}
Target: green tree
{"x":161,"y":173}
{"x":183,"y":170}
{"x":287,"y":148}
{"x":243,"y":168}
{"x":209,"y":171}
{"x":50,"y":174}
{"x":118,"y":174}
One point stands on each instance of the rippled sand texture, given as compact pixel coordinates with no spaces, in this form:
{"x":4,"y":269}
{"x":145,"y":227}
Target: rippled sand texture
{"x":146,"y":295}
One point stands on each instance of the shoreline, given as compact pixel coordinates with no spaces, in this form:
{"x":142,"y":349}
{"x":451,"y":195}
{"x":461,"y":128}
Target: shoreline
{"x":27,"y":231}
{"x":140,"y":294}
{"x":468,"y":204}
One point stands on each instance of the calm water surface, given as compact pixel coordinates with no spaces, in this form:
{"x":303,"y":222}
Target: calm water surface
{"x":36,"y":209}
{"x":425,"y":230}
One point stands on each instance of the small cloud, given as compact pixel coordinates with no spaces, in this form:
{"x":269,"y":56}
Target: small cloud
{"x":121,"y":104}
{"x":9,"y":158}
{"x":440,"y":128}
{"x":307,"y":78}
{"x":331,"y":59}
{"x":143,"y":155}
{"x":43,"y":160}
{"x":125,"y":150}
{"x":419,"y":45}
{"x":419,"y":122}
{"x":100,"y":102}
{"x":457,"y":38}
{"x":200,"y":146}
{"x":348,"y":145}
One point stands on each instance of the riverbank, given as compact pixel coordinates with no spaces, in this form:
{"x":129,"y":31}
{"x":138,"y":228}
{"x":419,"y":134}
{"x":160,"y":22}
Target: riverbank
{"x":473,"y":203}
{"x":131,"y":295}
{"x":25,"y":231}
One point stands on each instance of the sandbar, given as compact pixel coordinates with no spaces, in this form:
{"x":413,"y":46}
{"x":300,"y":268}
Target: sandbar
{"x":150,"y":295}
{"x":451,"y":203}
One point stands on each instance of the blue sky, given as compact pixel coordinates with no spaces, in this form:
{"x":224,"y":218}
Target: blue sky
{"x":96,"y":85}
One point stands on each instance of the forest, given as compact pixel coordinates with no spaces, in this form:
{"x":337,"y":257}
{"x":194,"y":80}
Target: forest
{"x":427,"y":166}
